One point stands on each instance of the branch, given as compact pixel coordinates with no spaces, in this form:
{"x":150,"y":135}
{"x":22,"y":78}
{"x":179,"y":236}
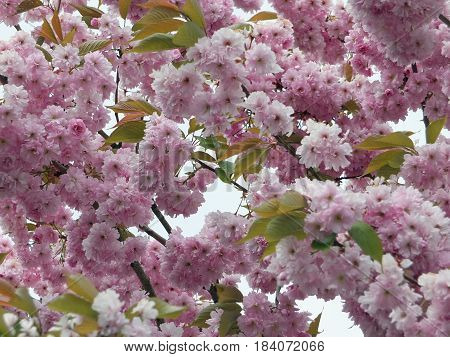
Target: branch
{"x":153,"y":234}
{"x":339,"y":179}
{"x":146,"y":284}
{"x":444,"y":20}
{"x":143,"y":278}
{"x":17,"y":27}
{"x":234,"y":183}
{"x":161,"y":218}
{"x":116,"y":93}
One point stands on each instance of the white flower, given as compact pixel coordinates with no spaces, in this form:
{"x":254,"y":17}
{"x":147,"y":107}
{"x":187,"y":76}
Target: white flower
{"x":147,"y":309}
{"x":27,"y":328}
{"x":171,"y":330}
{"x":10,"y":320}
{"x":107,"y":301}
{"x":66,"y":325}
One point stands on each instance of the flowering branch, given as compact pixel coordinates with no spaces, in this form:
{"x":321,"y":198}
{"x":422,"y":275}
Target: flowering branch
{"x":153,"y":234}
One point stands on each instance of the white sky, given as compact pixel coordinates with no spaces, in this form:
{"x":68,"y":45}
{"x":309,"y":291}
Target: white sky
{"x":224,"y":198}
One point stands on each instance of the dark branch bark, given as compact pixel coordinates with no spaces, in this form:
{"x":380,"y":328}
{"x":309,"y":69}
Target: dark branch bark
{"x":161,"y":218}
{"x":153,"y":234}
{"x":143,"y":278}
{"x":17,"y":27}
{"x":234,"y":183}
{"x":444,"y":20}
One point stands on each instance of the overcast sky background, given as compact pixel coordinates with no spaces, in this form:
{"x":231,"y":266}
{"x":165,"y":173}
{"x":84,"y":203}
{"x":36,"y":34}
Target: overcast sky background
{"x":224,"y":198}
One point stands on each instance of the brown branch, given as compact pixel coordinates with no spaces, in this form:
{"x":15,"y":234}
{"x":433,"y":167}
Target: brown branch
{"x":143,"y":278}
{"x":153,"y":234}
{"x":444,"y":20}
{"x":161,"y":218}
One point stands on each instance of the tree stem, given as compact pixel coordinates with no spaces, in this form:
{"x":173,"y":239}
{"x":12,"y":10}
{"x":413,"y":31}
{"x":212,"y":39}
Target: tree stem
{"x":153,"y":234}
{"x":161,"y":218}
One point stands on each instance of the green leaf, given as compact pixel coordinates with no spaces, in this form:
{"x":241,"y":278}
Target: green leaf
{"x":324,"y":244}
{"x":205,"y":314}
{"x":47,"y":32}
{"x":156,"y":15}
{"x":240,"y":147}
{"x":155,"y":43}
{"x":268,"y":209}
{"x":258,"y":228}
{"x":288,"y":224}
{"x":192,"y":9}
{"x":69,"y":37}
{"x":269,"y":250}
{"x":87,"y":10}
{"x":81,"y":286}
{"x":70,"y":303}
{"x":314,"y":326}
{"x":131,"y":132}
{"x":3,"y":257}
{"x":124,"y":6}
{"x":263,"y":16}
{"x":18,"y":298}
{"x":393,"y":158}
{"x":46,"y":54}
{"x":366,"y":237}
{"x":290,"y":201}
{"x":27,"y":5}
{"x":4,"y":330}
{"x":228,"y":323}
{"x":434,"y":129}
{"x":163,"y":26}
{"x":351,"y":106}
{"x":203,"y":156}
{"x":167,"y":311}
{"x":222,"y":175}
{"x":188,"y":35}
{"x":249,"y":160}
{"x":133,"y":106}
{"x":389,"y":141}
{"x":92,"y":46}
{"x":193,"y":125}
{"x":227,"y":167}
{"x":228,"y":294}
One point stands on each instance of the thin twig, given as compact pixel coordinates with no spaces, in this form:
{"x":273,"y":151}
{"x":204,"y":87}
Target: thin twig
{"x":161,"y":218}
{"x":153,"y":234}
{"x":234,"y":183}
{"x":444,"y":20}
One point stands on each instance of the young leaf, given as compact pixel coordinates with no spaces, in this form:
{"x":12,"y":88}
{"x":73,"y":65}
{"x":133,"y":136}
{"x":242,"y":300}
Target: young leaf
{"x":290,"y":201}
{"x":81,"y":286}
{"x":87,"y":11}
{"x":18,"y":298}
{"x":324,"y":244}
{"x":348,"y":72}
{"x":124,"y":6}
{"x":314,"y":326}
{"x":47,"y":32}
{"x":3,"y":257}
{"x":393,"y":158}
{"x":92,"y":46}
{"x":188,"y":35}
{"x":228,"y":322}
{"x":366,"y":237}
{"x":163,"y":26}
{"x":69,"y":37}
{"x":167,"y":311}
{"x":134,"y":106}
{"x":27,"y":5}
{"x":70,"y":303}
{"x":158,"y":3}
{"x":131,"y":132}
{"x":228,"y":294}
{"x":205,"y":314}
{"x":203,"y":156}
{"x":155,"y":15}
{"x":240,"y":147}
{"x":434,"y":129}
{"x":56,"y":23}
{"x":155,"y":43}
{"x":264,"y":15}
{"x":351,"y":106}
{"x":258,"y":228}
{"x":288,"y":224}
{"x":389,"y":141}
{"x":192,"y":9}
